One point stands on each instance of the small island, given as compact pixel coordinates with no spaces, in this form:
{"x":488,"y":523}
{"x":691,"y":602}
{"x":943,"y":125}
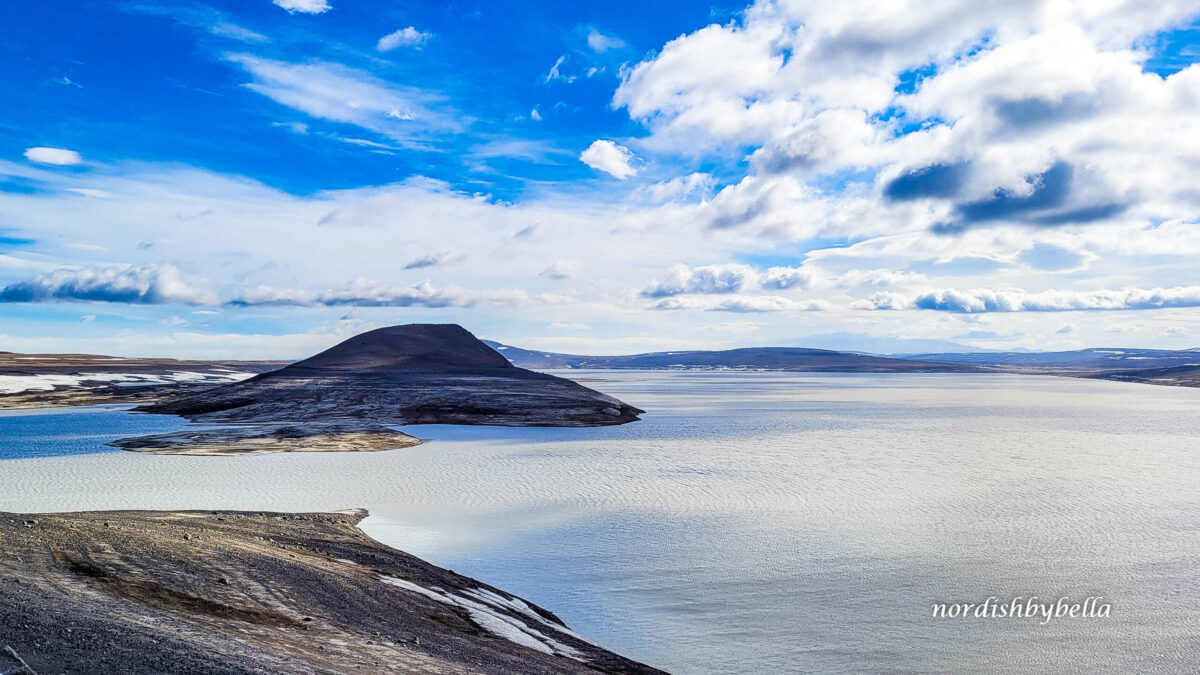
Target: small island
{"x":347,"y":397}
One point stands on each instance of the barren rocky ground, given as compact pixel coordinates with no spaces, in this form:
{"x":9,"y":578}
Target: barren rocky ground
{"x":231,"y":592}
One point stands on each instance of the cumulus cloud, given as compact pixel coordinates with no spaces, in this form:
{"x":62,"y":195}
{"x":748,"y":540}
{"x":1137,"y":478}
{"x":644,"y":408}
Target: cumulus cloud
{"x":1037,"y":113}
{"x":741,"y":304}
{"x":682,"y":279}
{"x":360,"y":293}
{"x":787,"y":277}
{"x":733,"y":278}
{"x":443,"y":257}
{"x":610,"y":158}
{"x":144,"y":285}
{"x":681,"y":187}
{"x":405,"y":37}
{"x":982,"y":300}
{"x":303,"y":6}
{"x":54,"y":156}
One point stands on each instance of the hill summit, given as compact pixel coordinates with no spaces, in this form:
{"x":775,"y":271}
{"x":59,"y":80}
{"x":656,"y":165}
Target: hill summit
{"x":414,"y":346}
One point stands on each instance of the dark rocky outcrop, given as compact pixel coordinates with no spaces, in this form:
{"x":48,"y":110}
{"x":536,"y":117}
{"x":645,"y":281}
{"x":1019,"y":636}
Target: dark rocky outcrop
{"x":411,"y":374}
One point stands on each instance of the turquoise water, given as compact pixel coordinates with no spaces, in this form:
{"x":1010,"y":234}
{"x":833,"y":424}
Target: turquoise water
{"x":51,"y":432}
{"x":763,"y":522}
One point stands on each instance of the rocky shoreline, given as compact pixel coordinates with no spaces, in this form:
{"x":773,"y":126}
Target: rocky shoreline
{"x":254,"y":439}
{"x":238,"y":592}
{"x":52,"y":380}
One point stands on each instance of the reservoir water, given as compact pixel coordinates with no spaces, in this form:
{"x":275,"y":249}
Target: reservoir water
{"x":755,"y":522}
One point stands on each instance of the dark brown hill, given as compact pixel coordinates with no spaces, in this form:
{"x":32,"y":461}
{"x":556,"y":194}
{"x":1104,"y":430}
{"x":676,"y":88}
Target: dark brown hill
{"x":412,"y":374}
{"x":417,"y":346}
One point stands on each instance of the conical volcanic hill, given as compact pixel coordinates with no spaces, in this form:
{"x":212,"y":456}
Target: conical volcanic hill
{"x":410,"y":374}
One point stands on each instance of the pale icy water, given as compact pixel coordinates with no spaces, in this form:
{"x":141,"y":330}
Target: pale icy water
{"x":761,"y":522}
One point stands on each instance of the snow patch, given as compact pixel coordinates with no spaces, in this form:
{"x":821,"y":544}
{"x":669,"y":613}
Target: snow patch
{"x":16,"y":384}
{"x":488,"y":612}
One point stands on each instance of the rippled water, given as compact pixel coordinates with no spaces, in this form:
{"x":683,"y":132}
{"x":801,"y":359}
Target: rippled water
{"x":766,"y":522}
{"x":50,"y":432}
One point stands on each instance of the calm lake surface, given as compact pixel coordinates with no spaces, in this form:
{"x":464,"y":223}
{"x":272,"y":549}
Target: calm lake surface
{"x":756,"y":522}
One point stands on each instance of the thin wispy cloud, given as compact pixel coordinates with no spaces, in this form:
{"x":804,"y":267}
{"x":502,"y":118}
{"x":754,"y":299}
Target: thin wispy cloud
{"x":338,"y":93}
{"x":600,"y":43}
{"x":443,"y":257}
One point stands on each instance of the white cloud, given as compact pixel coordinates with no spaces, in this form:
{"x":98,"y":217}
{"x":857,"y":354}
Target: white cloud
{"x":610,"y":158}
{"x":94,"y":194}
{"x":682,"y":187}
{"x":303,"y":6}
{"x":600,"y":43}
{"x":54,"y":156}
{"x":405,"y":37}
{"x":195,"y":16}
{"x":981,"y":300}
{"x":555,"y":73}
{"x":741,"y":304}
{"x":788,"y":277}
{"x":1057,"y":90}
{"x":736,"y":277}
{"x":147,"y":284}
{"x":681,"y":279}
{"x":335,"y":92}
{"x":370,"y":293}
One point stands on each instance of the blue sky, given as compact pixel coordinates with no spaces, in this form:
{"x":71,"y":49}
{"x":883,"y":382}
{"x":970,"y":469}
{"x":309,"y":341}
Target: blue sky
{"x":155,"y":82}
{"x":261,"y":178}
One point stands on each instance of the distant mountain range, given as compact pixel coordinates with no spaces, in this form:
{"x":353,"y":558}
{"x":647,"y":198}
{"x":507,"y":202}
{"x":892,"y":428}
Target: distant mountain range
{"x":1098,"y":359}
{"x":890,"y":346}
{"x":797,"y":359}
{"x":1152,"y":366}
